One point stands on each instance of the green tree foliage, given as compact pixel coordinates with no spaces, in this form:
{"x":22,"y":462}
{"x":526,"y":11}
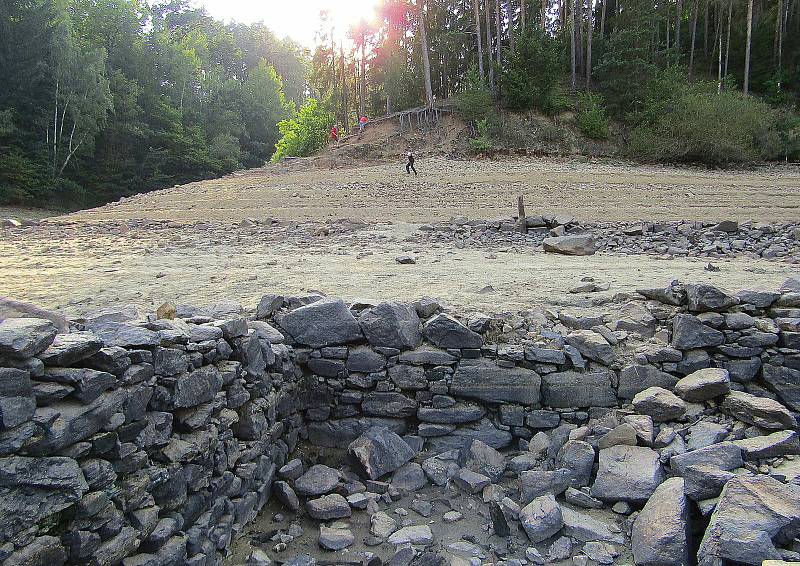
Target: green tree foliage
{"x":108,"y":98}
{"x":305,"y":133}
{"x":476,"y":100}
{"x":591,"y":118}
{"x":532,"y":73}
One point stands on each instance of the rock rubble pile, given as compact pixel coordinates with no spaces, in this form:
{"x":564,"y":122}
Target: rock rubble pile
{"x":662,"y":434}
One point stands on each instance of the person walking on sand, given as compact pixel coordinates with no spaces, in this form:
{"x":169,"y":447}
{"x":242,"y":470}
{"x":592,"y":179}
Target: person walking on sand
{"x":410,"y":164}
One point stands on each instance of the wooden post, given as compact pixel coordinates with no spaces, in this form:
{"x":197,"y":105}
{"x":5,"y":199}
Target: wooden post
{"x":523,"y":224}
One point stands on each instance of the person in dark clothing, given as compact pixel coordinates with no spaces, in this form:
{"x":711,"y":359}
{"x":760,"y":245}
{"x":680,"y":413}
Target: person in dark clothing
{"x":410,"y":164}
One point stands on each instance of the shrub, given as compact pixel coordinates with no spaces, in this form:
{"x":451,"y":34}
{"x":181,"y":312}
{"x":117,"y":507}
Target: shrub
{"x":592,"y":119}
{"x":476,"y":100}
{"x":703,"y":126}
{"x":304,"y":134}
{"x":481,"y":143}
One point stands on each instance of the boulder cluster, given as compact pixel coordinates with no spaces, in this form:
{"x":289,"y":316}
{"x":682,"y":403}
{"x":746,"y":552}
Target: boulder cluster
{"x":564,"y":234}
{"x":664,"y":433}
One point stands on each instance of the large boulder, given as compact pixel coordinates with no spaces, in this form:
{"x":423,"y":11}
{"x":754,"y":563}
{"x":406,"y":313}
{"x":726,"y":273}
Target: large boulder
{"x":635,"y":378}
{"x":339,"y":433}
{"x":760,"y":411}
{"x":586,"y":528}
{"x":318,"y":480}
{"x":379,"y":451}
{"x":784,"y":381}
{"x":326,"y":322}
{"x":124,"y":335}
{"x":577,"y":456}
{"x":704,"y":385}
{"x":704,"y":298}
{"x":752,"y":515}
{"x":446,"y":332}
{"x":535,"y":483}
{"x":780,"y":443}
{"x":627,"y":473}
{"x":660,"y":404}
{"x":541,"y":518}
{"x":25,"y":337}
{"x":391,"y":325}
{"x":199,"y":386}
{"x":660,"y":534}
{"x":580,"y":244}
{"x":591,"y":345}
{"x":482,"y":458}
{"x":71,"y":348}
{"x":33,"y":489}
{"x":689,"y":332}
{"x":725,"y":456}
{"x":486,"y":381}
{"x":572,"y":389}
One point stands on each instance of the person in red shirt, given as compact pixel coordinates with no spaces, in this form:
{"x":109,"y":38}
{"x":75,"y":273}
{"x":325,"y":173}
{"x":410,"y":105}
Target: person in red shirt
{"x":335,"y":134}
{"x":361,"y":123}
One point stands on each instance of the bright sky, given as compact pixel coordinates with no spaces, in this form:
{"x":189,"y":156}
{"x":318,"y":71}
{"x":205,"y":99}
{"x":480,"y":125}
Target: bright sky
{"x":299,"y":19}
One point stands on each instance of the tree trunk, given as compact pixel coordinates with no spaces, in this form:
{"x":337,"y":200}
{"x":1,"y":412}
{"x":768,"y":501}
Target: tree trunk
{"x":478,"y":36}
{"x":694,"y":34}
{"x":728,"y":40}
{"x":426,"y":60}
{"x":362,"y":106}
{"x":572,"y":42}
{"x":345,"y":117}
{"x":579,"y":47}
{"x":487,"y":13}
{"x":746,"y":88}
{"x":499,"y":32}
{"x":590,"y":28}
{"x":522,"y":14}
{"x":719,"y":57}
{"x":544,"y":14}
{"x":705,"y":28}
{"x":510,"y":16}
{"x":603,"y":19}
{"x":678,"y":18}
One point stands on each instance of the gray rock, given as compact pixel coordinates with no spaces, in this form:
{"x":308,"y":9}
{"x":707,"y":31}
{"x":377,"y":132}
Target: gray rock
{"x":44,"y":550}
{"x":446,"y":332}
{"x":635,"y":378}
{"x":415,"y":535}
{"x":33,"y":489}
{"x":627,"y":473}
{"x":408,"y":377}
{"x":380,"y":451}
{"x":591,"y":345}
{"x":286,"y":495}
{"x":17,"y":401}
{"x":409,"y":477}
{"x":365,"y":360}
{"x":258,"y":557}
{"x":581,"y":498}
{"x":427,"y":356}
{"x":486,"y":381}
{"x":483,"y":459}
{"x":624,"y":434}
{"x":388,"y":404}
{"x":541,"y":518}
{"x":382,"y":525}
{"x":124,"y":335}
{"x":326,"y":322}
{"x":265,"y":331}
{"x":759,"y":411}
{"x":535,"y":483}
{"x":704,"y":298}
{"x":660,"y":535}
{"x":471,"y":482}
{"x":485,"y":431}
{"x":779,"y":443}
{"x":577,"y":457}
{"x":458,"y":413}
{"x":725,"y":455}
{"x":199,"y":386}
{"x":585,"y":528}
{"x":318,"y":480}
{"x":442,"y":467}
{"x":71,"y":348}
{"x":327,"y":507}
{"x":704,"y":433}
{"x":704,"y":481}
{"x":703,"y":385}
{"x":391,"y":325}
{"x":340,"y":433}
{"x":785,"y":382}
{"x":752,"y":513}
{"x":301,"y":560}
{"x":582,"y":244}
{"x":335,"y":539}
{"x":573,"y":389}
{"x":688,"y":332}
{"x":25,"y":337}
{"x":660,"y":404}
{"x":88,"y":384}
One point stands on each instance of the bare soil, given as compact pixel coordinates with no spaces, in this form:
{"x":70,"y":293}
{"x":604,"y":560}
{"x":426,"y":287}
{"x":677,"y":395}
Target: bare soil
{"x":187,"y":244}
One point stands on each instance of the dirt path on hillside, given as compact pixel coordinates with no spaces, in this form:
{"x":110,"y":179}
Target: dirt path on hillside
{"x":589,"y":191}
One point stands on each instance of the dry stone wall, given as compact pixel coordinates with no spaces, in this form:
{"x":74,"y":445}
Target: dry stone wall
{"x":155,"y":439}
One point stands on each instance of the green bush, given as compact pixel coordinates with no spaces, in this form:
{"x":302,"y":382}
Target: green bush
{"x":482,"y":143}
{"x":592,"y":119}
{"x":476,"y":100}
{"x":304,"y":134}
{"x":532,"y":73}
{"x":703,"y":126}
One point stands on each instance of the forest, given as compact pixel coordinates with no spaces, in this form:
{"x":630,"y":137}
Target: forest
{"x":106,"y":98}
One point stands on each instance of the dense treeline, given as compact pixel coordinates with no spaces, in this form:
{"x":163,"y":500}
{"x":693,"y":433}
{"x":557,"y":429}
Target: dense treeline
{"x":100,"y":99}
{"x":646,"y":63}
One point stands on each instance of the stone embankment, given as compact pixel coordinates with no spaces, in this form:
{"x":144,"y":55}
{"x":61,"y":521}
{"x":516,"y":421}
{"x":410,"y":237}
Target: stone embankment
{"x":667,"y":239}
{"x":662,"y":434}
